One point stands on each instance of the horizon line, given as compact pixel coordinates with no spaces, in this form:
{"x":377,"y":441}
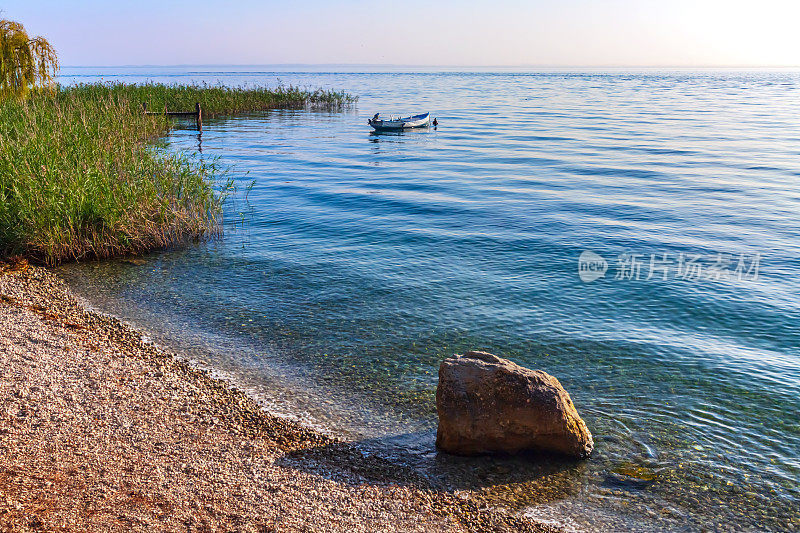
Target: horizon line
{"x":407,"y":65}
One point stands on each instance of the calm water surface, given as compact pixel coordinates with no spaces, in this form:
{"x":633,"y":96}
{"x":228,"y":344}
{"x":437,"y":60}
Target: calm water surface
{"x":356,"y":262}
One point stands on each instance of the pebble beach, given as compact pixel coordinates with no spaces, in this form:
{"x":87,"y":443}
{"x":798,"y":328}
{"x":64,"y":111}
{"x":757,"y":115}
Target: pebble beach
{"x":101,"y":430}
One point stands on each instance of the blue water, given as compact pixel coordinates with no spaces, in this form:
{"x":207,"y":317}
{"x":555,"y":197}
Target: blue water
{"x":355,"y":262}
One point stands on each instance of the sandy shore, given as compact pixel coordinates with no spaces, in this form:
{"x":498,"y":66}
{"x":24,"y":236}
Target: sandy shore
{"x":101,"y":431}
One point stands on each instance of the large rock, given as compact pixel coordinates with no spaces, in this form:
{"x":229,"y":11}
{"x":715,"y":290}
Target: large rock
{"x":487,"y":404}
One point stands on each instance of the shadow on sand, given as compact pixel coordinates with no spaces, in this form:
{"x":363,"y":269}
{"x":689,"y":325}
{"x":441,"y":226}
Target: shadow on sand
{"x":512,"y":482}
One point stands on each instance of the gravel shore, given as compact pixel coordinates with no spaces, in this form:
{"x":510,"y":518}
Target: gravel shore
{"x":101,"y":431}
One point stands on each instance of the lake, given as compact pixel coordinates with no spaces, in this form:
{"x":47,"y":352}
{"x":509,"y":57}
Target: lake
{"x":634,"y":233}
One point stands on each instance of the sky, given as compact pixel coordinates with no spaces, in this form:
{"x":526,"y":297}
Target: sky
{"x":552,"y":33}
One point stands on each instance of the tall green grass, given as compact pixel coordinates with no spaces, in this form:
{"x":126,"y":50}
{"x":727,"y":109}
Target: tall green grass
{"x":80,"y":175}
{"x":219,"y":100}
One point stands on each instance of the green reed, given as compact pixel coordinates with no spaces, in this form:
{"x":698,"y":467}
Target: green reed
{"x":218,"y":99}
{"x":80,"y":175}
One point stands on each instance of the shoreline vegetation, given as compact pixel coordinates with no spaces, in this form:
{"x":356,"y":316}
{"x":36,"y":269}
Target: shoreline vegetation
{"x":104,"y":431}
{"x":82,"y":174}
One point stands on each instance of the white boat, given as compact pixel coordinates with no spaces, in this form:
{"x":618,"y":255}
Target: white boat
{"x":400,"y":123}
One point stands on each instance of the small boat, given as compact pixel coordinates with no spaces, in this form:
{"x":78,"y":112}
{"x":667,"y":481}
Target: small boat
{"x":400,"y":123}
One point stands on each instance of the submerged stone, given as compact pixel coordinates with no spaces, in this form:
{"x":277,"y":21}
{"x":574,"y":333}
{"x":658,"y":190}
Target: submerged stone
{"x":631,"y":470}
{"x":491,"y":405}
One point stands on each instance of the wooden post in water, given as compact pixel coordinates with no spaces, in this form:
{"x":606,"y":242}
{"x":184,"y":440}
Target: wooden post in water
{"x":199,"y":116}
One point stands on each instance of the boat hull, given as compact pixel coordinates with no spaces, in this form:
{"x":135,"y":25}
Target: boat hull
{"x":407,"y":123}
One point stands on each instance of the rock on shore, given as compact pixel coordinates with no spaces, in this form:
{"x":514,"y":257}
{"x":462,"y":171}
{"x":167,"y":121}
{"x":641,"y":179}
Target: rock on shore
{"x":487,"y":405}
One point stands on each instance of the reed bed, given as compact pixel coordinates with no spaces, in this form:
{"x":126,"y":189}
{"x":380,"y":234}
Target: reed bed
{"x":220,"y":100}
{"x":81,"y":177}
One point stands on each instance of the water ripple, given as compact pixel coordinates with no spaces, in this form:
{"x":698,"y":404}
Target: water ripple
{"x":364,"y":259}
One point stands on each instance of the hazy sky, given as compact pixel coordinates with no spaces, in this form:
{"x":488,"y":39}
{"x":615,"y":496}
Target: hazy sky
{"x":415,"y":32}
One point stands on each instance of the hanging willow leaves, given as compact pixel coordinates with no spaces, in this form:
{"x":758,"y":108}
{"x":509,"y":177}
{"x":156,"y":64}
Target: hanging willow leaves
{"x":25,"y":63}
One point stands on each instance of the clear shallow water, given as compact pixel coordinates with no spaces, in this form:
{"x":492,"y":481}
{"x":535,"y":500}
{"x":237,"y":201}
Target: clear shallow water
{"x":358,"y":261}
